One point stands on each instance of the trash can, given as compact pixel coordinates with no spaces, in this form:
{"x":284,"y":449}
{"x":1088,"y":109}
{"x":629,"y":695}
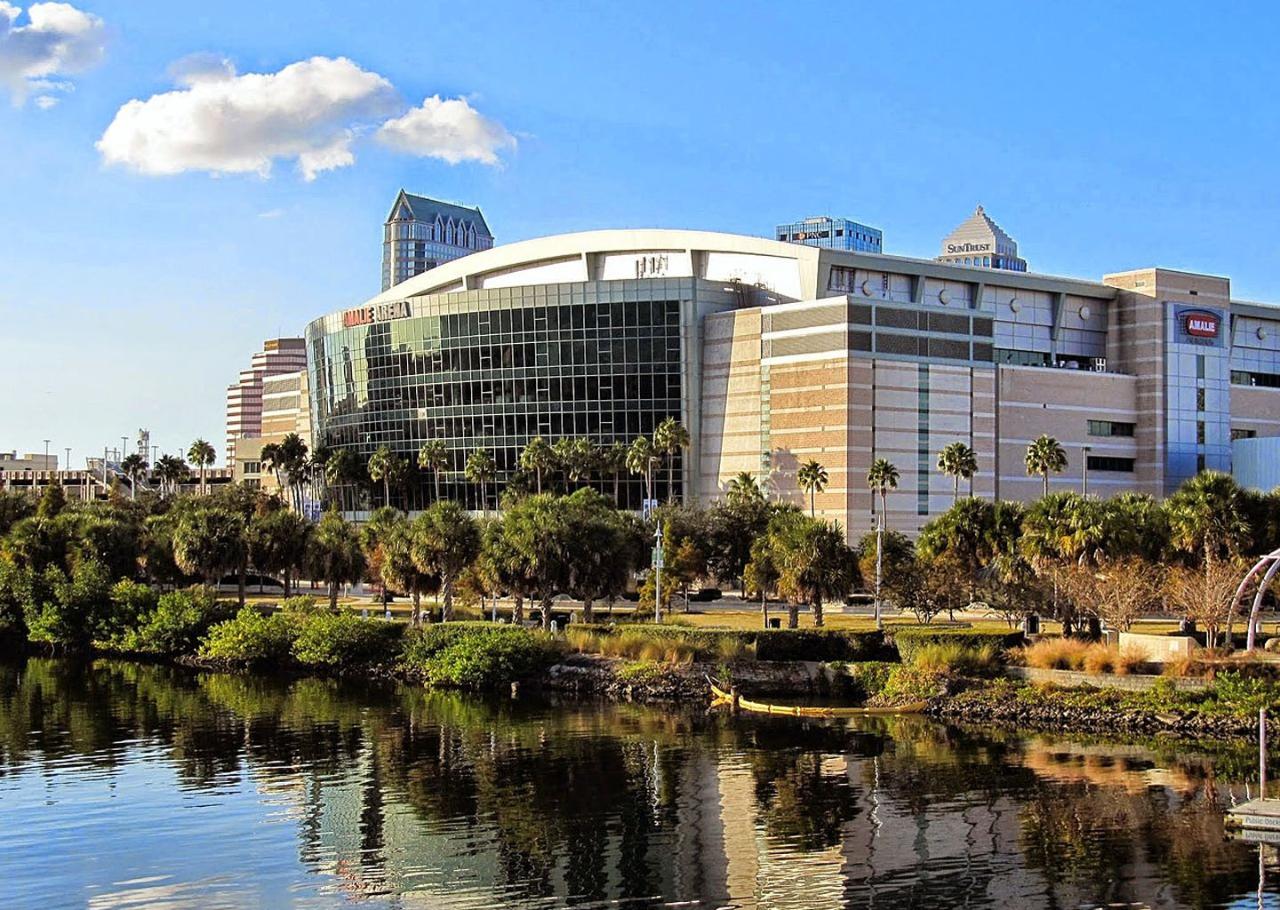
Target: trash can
{"x":1031,"y":624}
{"x":1095,"y":628}
{"x":1187,"y":627}
{"x":775,"y":623}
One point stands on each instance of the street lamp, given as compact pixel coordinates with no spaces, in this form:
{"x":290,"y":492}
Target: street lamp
{"x":658,"y":564}
{"x":45,"y":466}
{"x":1084,"y":476}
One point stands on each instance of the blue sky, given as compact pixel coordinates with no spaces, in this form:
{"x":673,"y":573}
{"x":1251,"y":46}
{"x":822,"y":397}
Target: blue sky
{"x":1101,"y":136}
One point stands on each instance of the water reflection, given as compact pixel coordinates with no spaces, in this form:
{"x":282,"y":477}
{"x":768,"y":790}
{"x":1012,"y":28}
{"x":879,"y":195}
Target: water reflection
{"x":125,"y":784}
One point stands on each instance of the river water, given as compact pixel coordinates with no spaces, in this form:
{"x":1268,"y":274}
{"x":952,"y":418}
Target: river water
{"x":125,"y":785}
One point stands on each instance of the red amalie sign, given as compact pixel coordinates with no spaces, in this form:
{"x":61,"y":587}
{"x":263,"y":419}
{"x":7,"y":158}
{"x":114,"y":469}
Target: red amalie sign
{"x":382,"y":312}
{"x":1201,"y":325}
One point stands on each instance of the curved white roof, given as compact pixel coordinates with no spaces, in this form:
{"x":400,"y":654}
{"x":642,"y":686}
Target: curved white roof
{"x":789,"y":269}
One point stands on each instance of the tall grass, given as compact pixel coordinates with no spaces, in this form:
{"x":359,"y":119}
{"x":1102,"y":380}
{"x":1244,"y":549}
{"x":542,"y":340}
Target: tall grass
{"x":956,"y":658}
{"x":1073,"y":654}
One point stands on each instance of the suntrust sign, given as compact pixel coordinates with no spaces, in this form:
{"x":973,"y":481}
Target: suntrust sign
{"x":968,"y":248}
{"x":379,"y":312}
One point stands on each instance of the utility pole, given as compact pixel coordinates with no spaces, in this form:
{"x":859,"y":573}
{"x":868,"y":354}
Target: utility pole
{"x":658,"y":564}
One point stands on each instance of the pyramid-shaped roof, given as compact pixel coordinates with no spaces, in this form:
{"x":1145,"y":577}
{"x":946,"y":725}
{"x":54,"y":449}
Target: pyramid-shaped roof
{"x":976,"y":230}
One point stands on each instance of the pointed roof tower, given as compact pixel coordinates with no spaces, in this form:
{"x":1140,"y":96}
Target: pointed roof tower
{"x":979,"y":241}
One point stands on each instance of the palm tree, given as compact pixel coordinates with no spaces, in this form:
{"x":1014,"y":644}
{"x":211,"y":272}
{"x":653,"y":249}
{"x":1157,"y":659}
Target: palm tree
{"x":341,"y":468}
{"x":669,"y":439}
{"x":613,"y":462}
{"x":434,"y":457}
{"x":480,"y":469}
{"x":202,"y":455}
{"x":445,"y":541}
{"x":388,"y":467}
{"x":813,"y":479}
{"x":882,"y":478}
{"x":334,"y":554}
{"x":538,"y":458}
{"x":640,"y":459}
{"x":1045,"y":455}
{"x":172,"y":471}
{"x":744,"y":487}
{"x":958,"y":461}
{"x":292,"y":455}
{"x":133,"y":465}
{"x":580,"y":458}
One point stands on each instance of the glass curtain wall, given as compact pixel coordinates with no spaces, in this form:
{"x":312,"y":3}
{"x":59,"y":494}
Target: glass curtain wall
{"x":492,"y":369}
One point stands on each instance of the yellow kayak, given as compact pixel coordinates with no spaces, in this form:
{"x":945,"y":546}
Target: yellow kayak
{"x":720,"y":696}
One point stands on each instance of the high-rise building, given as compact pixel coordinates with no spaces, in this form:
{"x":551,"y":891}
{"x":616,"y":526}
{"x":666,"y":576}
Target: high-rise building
{"x":832,"y":234}
{"x":979,"y":241}
{"x":244,"y":397}
{"x":421,"y":233}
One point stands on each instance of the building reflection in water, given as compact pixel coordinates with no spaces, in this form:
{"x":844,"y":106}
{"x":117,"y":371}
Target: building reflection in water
{"x":399,"y":796}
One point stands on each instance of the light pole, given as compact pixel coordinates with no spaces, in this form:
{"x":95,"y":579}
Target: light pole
{"x":46,"y":459}
{"x":879,"y":563}
{"x":658,"y":564}
{"x":1084,"y":476}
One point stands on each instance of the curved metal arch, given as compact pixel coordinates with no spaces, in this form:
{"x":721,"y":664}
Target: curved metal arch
{"x":1271,"y":562}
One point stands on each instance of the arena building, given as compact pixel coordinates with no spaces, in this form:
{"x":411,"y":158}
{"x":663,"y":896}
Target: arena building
{"x":772,"y":353}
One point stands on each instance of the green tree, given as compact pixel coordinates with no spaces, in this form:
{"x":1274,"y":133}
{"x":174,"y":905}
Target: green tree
{"x":172,"y":472}
{"x":538,"y":458}
{"x":446,"y":540}
{"x":958,"y":461}
{"x":813,"y":564}
{"x":743,"y":488}
{"x":537,"y":538}
{"x":277,"y":544}
{"x":881,"y":478}
{"x":1045,"y":456}
{"x":813,"y":479}
{"x":202,"y":455}
{"x":964,"y":533}
{"x":433,"y":456}
{"x":613,"y":464}
{"x":133,"y":465}
{"x":342,"y":469}
{"x":481,"y":470}
{"x":602,"y":545}
{"x":210,"y":543}
{"x":334,"y":554}
{"x":387,"y":468}
{"x":295,"y":463}
{"x":669,"y":440}
{"x":641,"y":457}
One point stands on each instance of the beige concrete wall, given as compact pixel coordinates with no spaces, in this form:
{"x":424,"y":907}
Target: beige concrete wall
{"x":1060,"y":403}
{"x":731,"y":406}
{"x":1255,"y":409}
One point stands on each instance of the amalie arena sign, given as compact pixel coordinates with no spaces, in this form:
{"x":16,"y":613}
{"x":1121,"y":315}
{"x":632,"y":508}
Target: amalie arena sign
{"x":1198,"y":325}
{"x":380,"y":312}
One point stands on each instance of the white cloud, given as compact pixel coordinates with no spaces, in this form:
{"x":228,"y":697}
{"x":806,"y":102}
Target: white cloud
{"x":451,"y":130}
{"x":310,"y":111}
{"x":271,"y":213}
{"x":58,"y":39}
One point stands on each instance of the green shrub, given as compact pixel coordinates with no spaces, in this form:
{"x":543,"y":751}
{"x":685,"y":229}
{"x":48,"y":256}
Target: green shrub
{"x":868,"y":678}
{"x":908,"y":683}
{"x":910,"y":640}
{"x":641,"y":672}
{"x":477,"y":655}
{"x":70,"y":610}
{"x":1235,"y":693}
{"x":251,"y":639}
{"x":343,"y":640}
{"x":130,"y":602}
{"x":178,"y":623}
{"x":304,"y":605}
{"x":14,"y":585}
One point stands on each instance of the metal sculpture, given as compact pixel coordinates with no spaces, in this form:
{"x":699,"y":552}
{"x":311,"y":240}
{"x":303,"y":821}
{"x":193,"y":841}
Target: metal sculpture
{"x":1271,"y":563}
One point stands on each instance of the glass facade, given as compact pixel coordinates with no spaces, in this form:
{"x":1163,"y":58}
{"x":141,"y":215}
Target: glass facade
{"x":832,"y":234}
{"x":494,"y":368}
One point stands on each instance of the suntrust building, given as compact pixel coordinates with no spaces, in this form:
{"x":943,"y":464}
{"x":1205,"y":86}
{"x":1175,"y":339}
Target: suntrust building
{"x":773,"y":353}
